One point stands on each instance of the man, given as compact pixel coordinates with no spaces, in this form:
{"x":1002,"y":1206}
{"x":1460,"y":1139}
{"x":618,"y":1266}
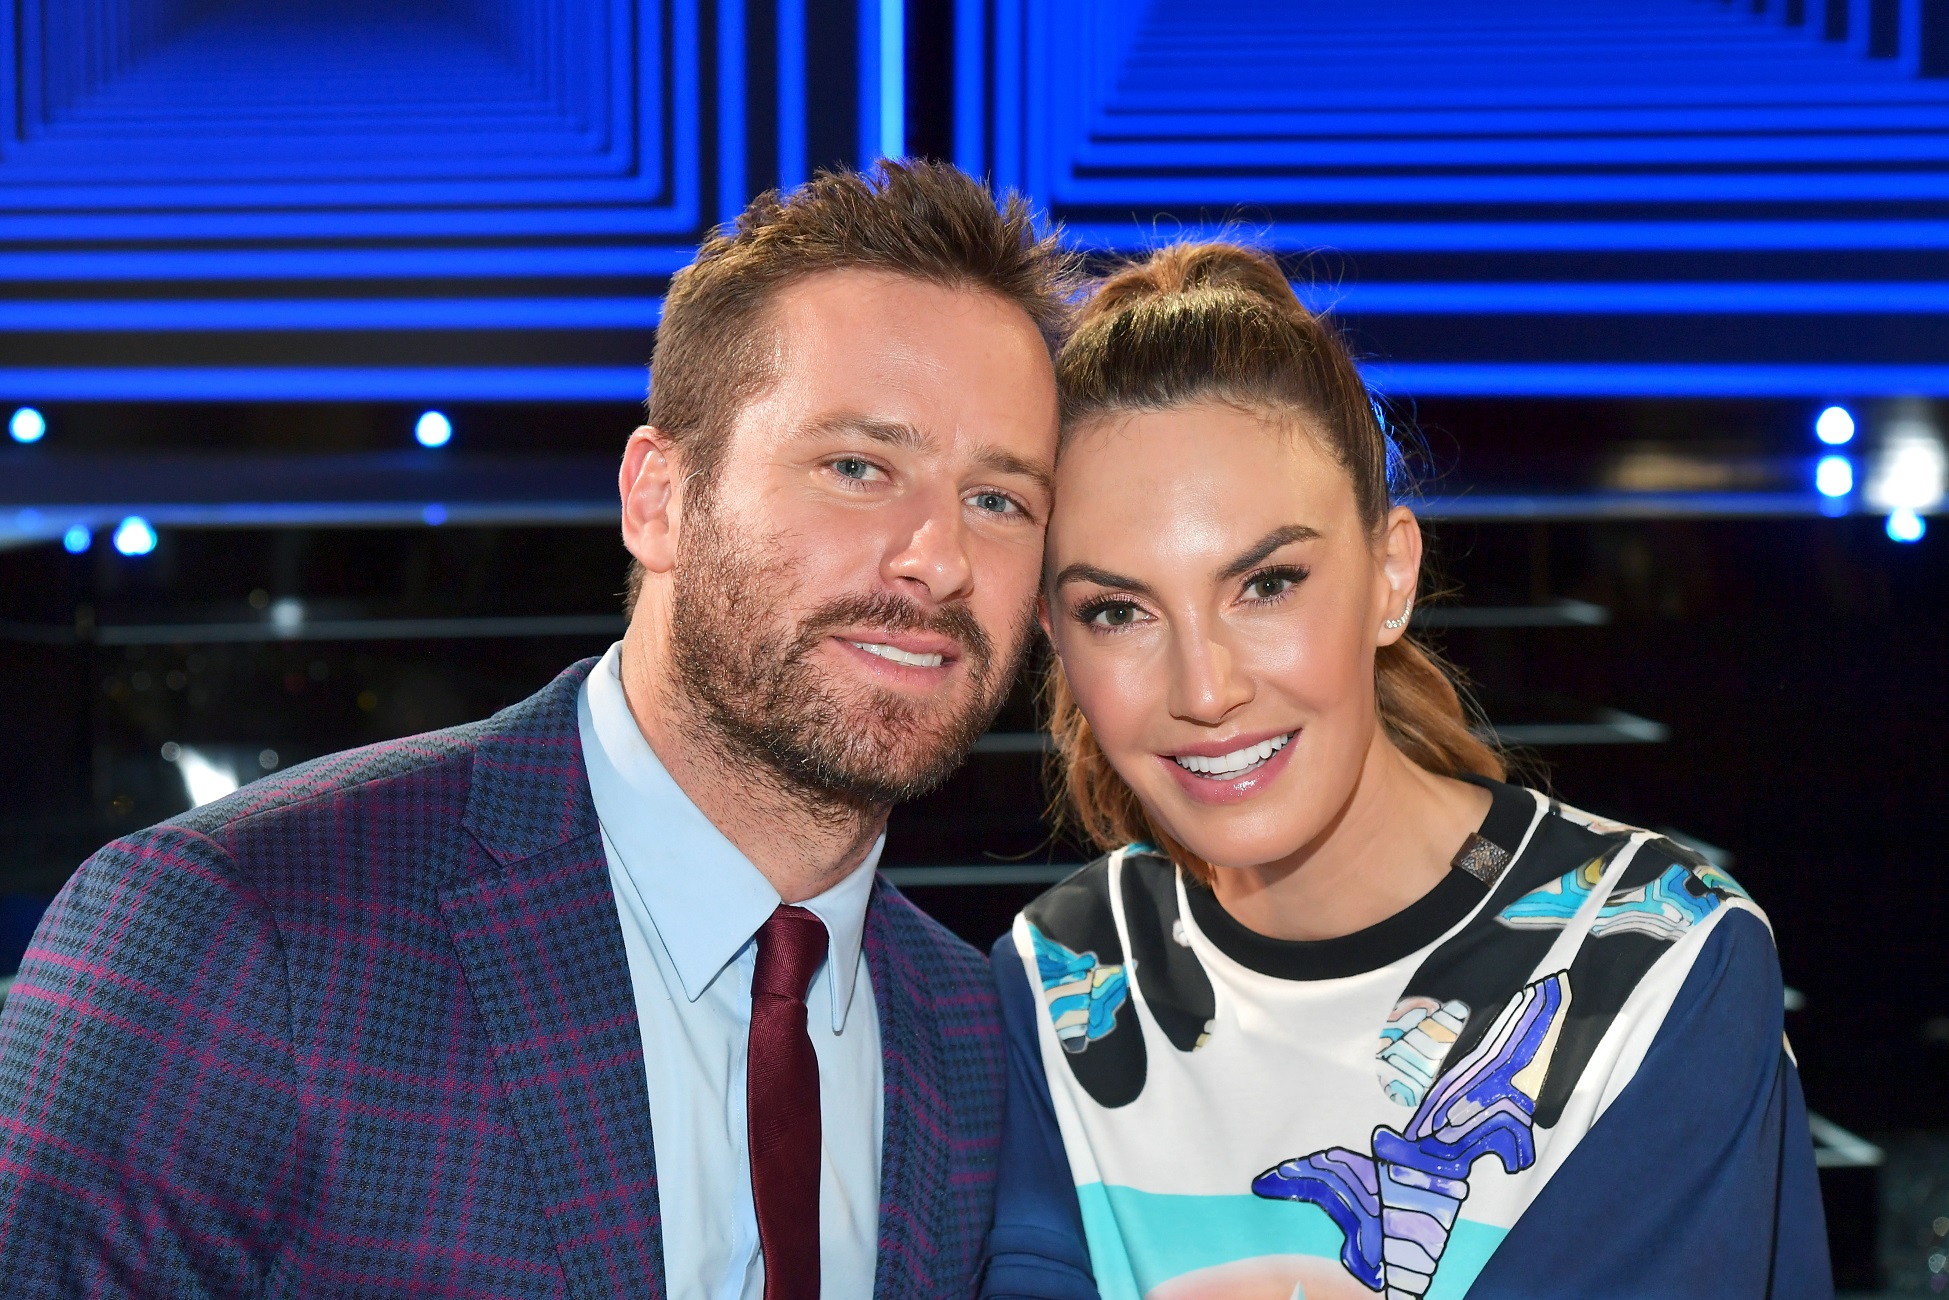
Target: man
{"x":602,"y":996}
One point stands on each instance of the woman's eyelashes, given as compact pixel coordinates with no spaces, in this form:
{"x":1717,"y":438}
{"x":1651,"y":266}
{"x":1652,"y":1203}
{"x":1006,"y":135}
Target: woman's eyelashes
{"x":1110,"y":614}
{"x":1271,"y":585}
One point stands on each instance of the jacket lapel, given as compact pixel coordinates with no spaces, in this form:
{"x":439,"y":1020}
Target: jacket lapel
{"x":534,"y":922}
{"x":914,"y":1149}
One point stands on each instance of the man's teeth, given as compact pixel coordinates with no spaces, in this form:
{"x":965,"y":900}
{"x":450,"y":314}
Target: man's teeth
{"x":1237,"y":762}
{"x":898,"y":655}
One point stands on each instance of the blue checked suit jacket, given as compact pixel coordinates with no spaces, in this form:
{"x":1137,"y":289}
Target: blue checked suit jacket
{"x":366,"y":1028}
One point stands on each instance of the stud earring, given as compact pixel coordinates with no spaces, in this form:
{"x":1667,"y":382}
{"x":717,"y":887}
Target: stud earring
{"x":1396,"y":624}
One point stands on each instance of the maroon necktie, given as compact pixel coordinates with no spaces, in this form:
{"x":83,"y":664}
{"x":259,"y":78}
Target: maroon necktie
{"x":782,"y":1104}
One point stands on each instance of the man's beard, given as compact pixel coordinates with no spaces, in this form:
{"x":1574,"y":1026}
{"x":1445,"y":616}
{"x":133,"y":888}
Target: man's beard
{"x":764,"y":698}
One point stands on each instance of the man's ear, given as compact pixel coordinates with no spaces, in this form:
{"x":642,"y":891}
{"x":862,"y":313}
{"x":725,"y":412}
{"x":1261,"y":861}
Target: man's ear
{"x":651,"y":502}
{"x":1042,"y":618}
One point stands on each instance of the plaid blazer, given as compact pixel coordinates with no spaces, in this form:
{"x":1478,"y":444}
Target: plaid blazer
{"x":367,"y":1028}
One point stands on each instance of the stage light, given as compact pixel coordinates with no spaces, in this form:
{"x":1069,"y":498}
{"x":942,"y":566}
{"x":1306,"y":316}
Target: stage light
{"x":434,"y":515}
{"x":203,"y":780}
{"x":77,"y":539}
{"x":433,"y":430}
{"x":288,"y":615}
{"x":134,"y":536}
{"x":1834,"y":426}
{"x":27,"y":425}
{"x":1910,"y":469}
{"x":1905,"y":525}
{"x":1834,"y":476}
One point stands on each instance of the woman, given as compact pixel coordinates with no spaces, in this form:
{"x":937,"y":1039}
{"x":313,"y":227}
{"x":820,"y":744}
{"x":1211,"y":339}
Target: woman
{"x":1342,"y":1013}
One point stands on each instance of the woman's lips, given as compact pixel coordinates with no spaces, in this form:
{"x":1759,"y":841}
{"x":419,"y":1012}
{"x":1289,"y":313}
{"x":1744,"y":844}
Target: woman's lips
{"x":1219,"y":790}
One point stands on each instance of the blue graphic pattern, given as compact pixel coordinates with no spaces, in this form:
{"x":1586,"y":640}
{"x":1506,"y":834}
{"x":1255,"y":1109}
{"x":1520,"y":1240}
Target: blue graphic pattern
{"x":1083,"y":994}
{"x":1397,"y":1207}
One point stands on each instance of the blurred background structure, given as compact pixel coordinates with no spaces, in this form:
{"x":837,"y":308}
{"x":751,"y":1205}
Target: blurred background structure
{"x":322,"y":325}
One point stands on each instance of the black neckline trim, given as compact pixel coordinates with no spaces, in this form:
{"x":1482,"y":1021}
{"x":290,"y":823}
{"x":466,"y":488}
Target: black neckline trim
{"x":1412,"y":928}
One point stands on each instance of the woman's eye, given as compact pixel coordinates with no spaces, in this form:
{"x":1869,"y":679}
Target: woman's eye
{"x":1119,"y":613}
{"x":1268,"y":586}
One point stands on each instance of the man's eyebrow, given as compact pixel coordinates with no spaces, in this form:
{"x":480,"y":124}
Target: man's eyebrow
{"x":1007,"y":462}
{"x":1101,"y":577}
{"x":1259,"y":550}
{"x":893,"y":432}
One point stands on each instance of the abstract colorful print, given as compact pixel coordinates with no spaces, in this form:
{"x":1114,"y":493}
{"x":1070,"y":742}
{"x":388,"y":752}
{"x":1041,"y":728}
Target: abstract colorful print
{"x":1397,"y":1206}
{"x":1083,"y":994}
{"x":1414,"y":1043}
{"x":1550,"y":906}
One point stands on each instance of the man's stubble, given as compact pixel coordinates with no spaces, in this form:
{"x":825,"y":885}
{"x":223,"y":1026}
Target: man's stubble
{"x":761,"y":696}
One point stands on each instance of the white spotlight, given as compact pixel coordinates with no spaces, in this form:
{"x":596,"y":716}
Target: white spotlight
{"x":205,"y":781}
{"x":1834,"y":426}
{"x":433,"y":430}
{"x":1834,"y":476}
{"x":134,"y":536}
{"x":27,"y":425}
{"x":1909,"y":470}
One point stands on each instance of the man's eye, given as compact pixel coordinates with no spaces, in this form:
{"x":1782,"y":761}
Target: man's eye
{"x":852,"y":467}
{"x":995,"y":503}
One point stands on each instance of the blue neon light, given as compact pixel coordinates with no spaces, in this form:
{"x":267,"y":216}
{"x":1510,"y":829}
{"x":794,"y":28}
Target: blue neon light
{"x":792,"y":168}
{"x":1675,"y":379}
{"x":1834,"y":476}
{"x":134,"y":536}
{"x":433,"y":429}
{"x":893,"y":78}
{"x":1834,"y":426}
{"x":1905,"y":525}
{"x":329,"y":384}
{"x":434,"y":515}
{"x":27,"y":425}
{"x":77,"y":539}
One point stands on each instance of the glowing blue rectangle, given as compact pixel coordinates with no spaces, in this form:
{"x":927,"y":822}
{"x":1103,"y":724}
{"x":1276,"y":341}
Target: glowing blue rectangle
{"x":325,"y":384}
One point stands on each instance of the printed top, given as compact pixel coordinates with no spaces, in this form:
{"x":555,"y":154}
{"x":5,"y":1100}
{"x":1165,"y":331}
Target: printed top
{"x":1378,"y":1113}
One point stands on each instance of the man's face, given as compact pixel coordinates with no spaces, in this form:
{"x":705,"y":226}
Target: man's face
{"x":854,"y":587}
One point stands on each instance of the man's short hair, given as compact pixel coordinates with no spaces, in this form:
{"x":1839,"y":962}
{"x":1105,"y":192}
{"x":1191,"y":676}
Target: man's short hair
{"x":923,"y":219}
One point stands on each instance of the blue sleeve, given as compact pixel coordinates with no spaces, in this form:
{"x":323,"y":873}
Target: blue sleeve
{"x":1036,"y":1250}
{"x":1699,"y":1179}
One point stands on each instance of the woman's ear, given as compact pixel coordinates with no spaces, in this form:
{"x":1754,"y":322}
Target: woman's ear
{"x":1401,"y":570}
{"x":649,"y":490}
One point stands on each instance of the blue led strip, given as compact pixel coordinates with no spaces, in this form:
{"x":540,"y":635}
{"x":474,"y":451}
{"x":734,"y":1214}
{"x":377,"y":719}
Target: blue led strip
{"x":324,"y":384}
{"x":1459,"y":163}
{"x":514,"y":144}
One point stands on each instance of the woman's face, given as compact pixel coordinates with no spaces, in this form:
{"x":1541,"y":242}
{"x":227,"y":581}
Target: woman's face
{"x":1217,"y":603}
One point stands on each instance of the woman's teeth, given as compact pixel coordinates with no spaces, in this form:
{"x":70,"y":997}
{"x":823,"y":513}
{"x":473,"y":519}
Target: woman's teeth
{"x":1236,"y":763}
{"x":898,"y":655}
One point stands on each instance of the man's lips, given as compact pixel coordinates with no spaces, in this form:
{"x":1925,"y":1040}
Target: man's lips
{"x":915,"y":650}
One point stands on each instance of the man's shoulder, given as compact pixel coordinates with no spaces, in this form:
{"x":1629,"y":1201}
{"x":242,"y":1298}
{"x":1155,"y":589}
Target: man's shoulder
{"x":932,"y":958}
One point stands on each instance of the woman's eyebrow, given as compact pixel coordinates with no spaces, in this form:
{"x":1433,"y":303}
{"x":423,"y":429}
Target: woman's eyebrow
{"x":1265,"y":546}
{"x":1101,"y":577}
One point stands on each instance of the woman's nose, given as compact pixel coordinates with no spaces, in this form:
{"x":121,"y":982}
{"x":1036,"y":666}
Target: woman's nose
{"x":1207,"y":683}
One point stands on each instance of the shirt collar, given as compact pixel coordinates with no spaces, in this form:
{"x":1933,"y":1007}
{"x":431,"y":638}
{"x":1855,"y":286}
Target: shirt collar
{"x":705,"y":898}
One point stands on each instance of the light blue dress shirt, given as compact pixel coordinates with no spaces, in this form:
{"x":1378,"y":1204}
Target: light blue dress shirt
{"x":691,"y":905}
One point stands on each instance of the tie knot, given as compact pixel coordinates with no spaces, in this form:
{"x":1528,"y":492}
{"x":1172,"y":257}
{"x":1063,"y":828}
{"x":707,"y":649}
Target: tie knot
{"x":791,"y":944}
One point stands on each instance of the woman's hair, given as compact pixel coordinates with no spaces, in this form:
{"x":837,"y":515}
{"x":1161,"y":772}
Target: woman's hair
{"x":1200,"y":322}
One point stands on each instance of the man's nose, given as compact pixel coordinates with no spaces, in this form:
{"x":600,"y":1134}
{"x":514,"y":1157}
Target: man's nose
{"x":929,"y":557}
